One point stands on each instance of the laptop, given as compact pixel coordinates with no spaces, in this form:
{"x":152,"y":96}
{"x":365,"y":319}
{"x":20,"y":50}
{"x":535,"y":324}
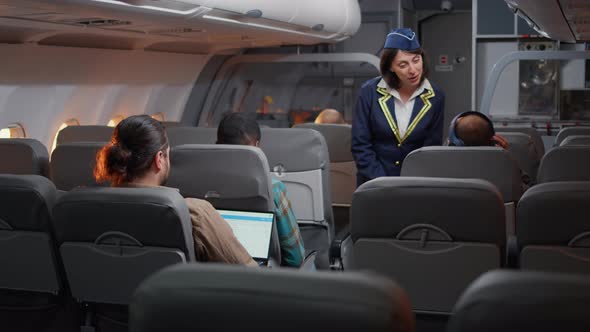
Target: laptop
{"x":253,"y":230}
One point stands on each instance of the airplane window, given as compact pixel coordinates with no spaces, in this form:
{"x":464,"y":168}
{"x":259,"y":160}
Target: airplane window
{"x":159,"y":116}
{"x":70,"y":122}
{"x":115,"y":120}
{"x":14,"y":130}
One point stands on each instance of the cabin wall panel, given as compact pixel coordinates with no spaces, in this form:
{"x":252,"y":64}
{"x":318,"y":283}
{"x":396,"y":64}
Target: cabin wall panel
{"x":43,"y":86}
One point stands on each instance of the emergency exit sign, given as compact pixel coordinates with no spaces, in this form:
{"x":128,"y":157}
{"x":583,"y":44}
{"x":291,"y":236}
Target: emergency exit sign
{"x":443,"y":60}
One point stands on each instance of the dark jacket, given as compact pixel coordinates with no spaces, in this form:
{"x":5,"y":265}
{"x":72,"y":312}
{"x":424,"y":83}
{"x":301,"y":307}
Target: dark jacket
{"x":376,"y":146}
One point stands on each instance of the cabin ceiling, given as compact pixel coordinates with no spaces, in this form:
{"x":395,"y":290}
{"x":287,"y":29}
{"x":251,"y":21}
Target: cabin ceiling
{"x":83,"y":23}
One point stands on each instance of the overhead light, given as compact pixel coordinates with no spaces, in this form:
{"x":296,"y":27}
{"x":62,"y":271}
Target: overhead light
{"x":254,"y":13}
{"x":173,"y":7}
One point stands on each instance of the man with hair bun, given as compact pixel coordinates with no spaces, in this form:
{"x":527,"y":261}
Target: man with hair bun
{"x":139,"y":156}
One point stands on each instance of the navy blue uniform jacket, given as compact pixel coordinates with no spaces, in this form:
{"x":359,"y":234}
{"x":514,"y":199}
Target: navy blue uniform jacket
{"x":377,"y":147}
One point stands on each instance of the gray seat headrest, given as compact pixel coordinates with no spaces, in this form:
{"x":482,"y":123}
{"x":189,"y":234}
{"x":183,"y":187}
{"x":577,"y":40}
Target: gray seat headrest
{"x":466,"y":209}
{"x":576,"y":140}
{"x":230,"y":176}
{"x":296,"y":149}
{"x":553,"y":213}
{"x":27,"y":156}
{"x":565,"y":163}
{"x":492,"y":164}
{"x":338,"y":137}
{"x":258,"y":299}
{"x":72,"y":165}
{"x":154,"y":216}
{"x":507,"y":301}
{"x":73,"y":134}
{"x":26,"y":202}
{"x":191,"y":135}
{"x":565,"y":132}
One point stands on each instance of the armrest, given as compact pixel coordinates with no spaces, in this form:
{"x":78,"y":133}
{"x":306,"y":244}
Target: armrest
{"x":340,"y":249}
{"x":512,"y":252}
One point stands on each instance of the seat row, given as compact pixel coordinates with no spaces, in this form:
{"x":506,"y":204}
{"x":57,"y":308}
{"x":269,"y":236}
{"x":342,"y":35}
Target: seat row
{"x":182,"y":298}
{"x":93,"y":244}
{"x":432,"y":235}
{"x":436,"y":235}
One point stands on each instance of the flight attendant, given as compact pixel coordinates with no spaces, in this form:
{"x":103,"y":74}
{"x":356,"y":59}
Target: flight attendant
{"x":397,"y":112}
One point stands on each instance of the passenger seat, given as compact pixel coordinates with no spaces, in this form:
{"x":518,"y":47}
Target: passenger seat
{"x":212,"y":297}
{"x":76,"y":134}
{"x":72,"y":165}
{"x":553,"y":228}
{"x":31,"y":278}
{"x":492,"y":164}
{"x":517,"y":301}
{"x":111,"y":239}
{"x":233,"y":177}
{"x":299,"y":158}
{"x":570,"y":131}
{"x":23,"y":156}
{"x":432,"y":235}
{"x":342,"y":170}
{"x":576,"y":140}
{"x":191,"y":135}
{"x":565,"y":163}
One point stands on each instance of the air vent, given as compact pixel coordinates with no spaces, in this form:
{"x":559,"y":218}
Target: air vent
{"x":96,"y":22}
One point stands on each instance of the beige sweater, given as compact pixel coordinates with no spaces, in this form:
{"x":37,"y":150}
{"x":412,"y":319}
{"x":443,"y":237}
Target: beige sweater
{"x":214,"y":238}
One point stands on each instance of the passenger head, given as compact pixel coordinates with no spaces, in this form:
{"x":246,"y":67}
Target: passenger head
{"x":471,"y":129}
{"x":403,"y":62}
{"x":330,"y":115}
{"x":138,"y":152}
{"x":238,"y":128}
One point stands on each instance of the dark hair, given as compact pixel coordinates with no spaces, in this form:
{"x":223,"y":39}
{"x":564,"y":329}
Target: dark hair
{"x":238,"y":128}
{"x":387,"y":59}
{"x":135,"y":142}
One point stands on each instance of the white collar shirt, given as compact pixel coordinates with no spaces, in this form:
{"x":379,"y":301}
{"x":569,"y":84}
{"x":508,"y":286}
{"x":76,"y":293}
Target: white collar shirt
{"x":403,"y":111}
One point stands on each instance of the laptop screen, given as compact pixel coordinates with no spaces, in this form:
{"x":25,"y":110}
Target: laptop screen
{"x":252,"y":229}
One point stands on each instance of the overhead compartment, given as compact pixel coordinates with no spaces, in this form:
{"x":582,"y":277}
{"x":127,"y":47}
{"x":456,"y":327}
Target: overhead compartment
{"x":213,"y":25}
{"x":564,"y":20}
{"x":326,"y":19}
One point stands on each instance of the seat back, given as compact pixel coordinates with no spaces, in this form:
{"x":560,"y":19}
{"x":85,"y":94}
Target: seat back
{"x":565,"y":163}
{"x":191,"y":135}
{"x":299,"y":158}
{"x":110,"y":239}
{"x":342,"y":166}
{"x":233,"y":177}
{"x":258,"y":299}
{"x":576,"y":140}
{"x":27,"y":156}
{"x":72,"y":165}
{"x":523,"y":150}
{"x":432,"y":235}
{"x":492,"y":164}
{"x":27,"y":249}
{"x":565,"y":132}
{"x":515,"y":301}
{"x":76,"y":134}
{"x":553,"y":230}
{"x":532,"y":132}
